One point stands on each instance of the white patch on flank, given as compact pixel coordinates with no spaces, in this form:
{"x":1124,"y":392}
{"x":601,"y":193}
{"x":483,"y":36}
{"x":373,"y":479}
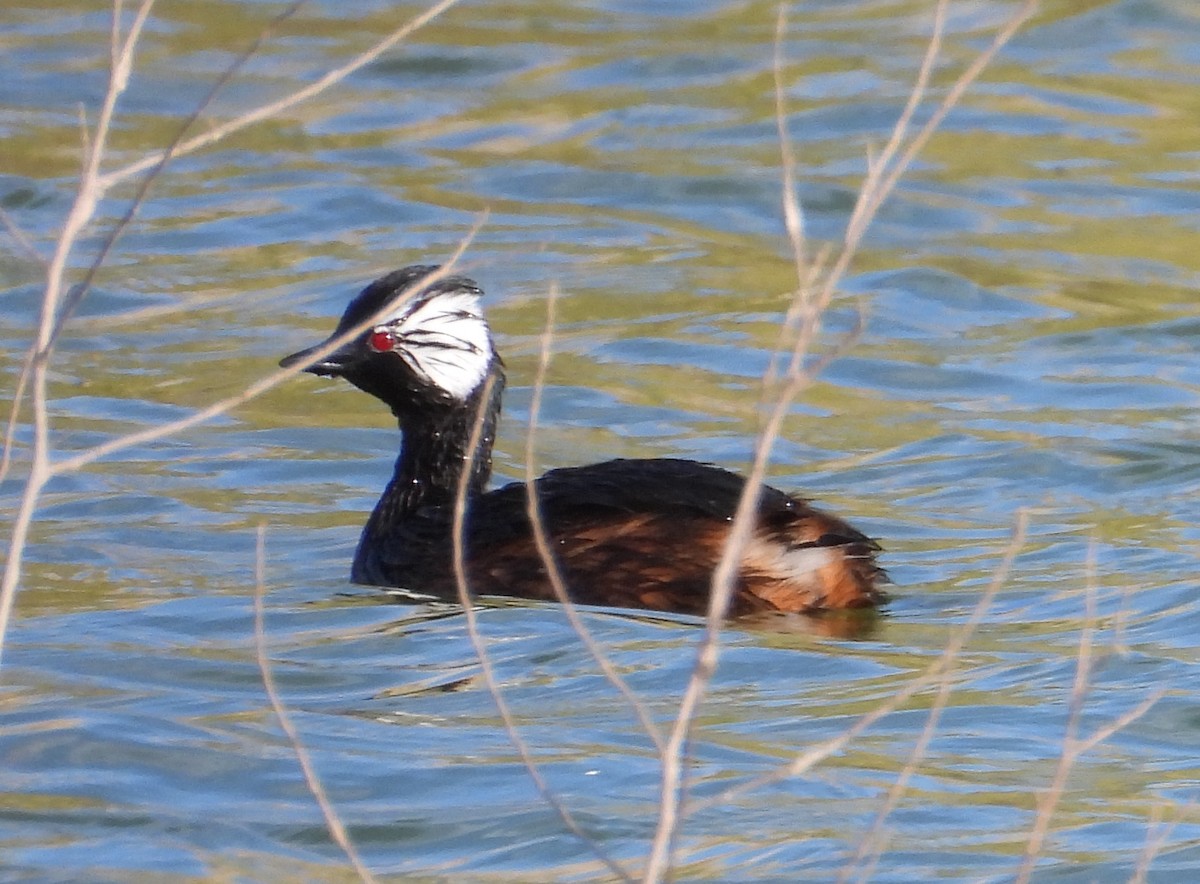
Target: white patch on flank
{"x":445,"y":340}
{"x":776,"y":560}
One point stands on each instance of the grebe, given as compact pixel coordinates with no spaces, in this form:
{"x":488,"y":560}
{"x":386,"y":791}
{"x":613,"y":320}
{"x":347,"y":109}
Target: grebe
{"x":626,"y":533}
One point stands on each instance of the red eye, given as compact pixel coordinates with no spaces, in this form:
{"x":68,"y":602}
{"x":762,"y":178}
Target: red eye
{"x":381,"y":340}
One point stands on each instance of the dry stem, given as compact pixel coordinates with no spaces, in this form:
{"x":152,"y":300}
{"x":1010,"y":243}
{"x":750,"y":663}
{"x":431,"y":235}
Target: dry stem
{"x":57,"y":309}
{"x":42,"y":470}
{"x":542,"y":542}
{"x":80,"y":213}
{"x":458,"y":543}
{"x":333,"y":823}
{"x":92,"y":185}
{"x":1156,"y":839}
{"x":871,"y":846}
{"x":1073,"y":745}
{"x":267,"y":111}
{"x":816,"y":289}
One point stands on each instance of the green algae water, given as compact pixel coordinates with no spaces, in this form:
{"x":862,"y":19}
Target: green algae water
{"x":1030,"y":345}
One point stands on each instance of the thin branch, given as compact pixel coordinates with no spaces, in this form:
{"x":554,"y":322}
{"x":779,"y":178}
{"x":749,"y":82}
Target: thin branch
{"x":810,"y":308}
{"x":870,"y":198}
{"x":871,"y":845}
{"x":809,"y":304}
{"x":93,"y":185}
{"x":1049,"y":800}
{"x":264,"y":384}
{"x":458,"y":542}
{"x":78,"y":291}
{"x":671,"y":789}
{"x":21,"y":238}
{"x":793,"y":211}
{"x":542,"y":542}
{"x":1119,"y":723}
{"x":937,"y":672}
{"x":333,"y":822}
{"x":953,"y":97}
{"x":41,"y":469}
{"x":82,"y":209}
{"x":724,"y":576}
{"x":801,"y":312}
{"x":1073,"y":746}
{"x":277,"y":107}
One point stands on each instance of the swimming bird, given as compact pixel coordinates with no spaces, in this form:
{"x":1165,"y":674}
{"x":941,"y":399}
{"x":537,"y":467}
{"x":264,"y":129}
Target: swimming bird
{"x":628,"y":533}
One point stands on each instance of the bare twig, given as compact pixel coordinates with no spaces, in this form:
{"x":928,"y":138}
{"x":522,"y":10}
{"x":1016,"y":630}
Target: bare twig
{"x":78,"y":291}
{"x":865,"y":207}
{"x":458,"y":541}
{"x":1074,"y":746}
{"x":21,"y":238}
{"x":793,"y":214}
{"x":870,"y":198}
{"x":938,"y":672}
{"x":542,"y":542}
{"x":708,"y":648}
{"x":959,"y":88}
{"x":333,"y":822}
{"x":811,"y":300}
{"x":1156,"y":838}
{"x":871,"y":845}
{"x":94,"y":185}
{"x":41,"y":469}
{"x":82,"y":209}
{"x":275,"y":108}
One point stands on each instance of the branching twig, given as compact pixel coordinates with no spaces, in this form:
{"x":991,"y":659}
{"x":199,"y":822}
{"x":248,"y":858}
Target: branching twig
{"x":94,"y":185}
{"x":816,"y":288}
{"x":1073,"y":745}
{"x":957,"y":90}
{"x":78,"y":291}
{"x":938,"y":672}
{"x":870,"y":195}
{"x":871,"y":846}
{"x":82,"y":209}
{"x":275,"y":108}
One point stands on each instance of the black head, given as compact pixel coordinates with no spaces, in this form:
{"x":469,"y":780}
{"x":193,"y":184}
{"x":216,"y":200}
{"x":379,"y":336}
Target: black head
{"x":431,"y":349}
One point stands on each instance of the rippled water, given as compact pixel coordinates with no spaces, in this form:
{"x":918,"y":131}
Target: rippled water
{"x":1032,"y":321}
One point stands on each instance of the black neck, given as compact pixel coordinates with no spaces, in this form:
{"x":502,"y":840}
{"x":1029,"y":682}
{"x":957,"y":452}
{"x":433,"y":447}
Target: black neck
{"x":434,"y":452}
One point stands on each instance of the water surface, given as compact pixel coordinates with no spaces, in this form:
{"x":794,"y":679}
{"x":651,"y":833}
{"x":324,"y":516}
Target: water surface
{"x":1030,"y":344}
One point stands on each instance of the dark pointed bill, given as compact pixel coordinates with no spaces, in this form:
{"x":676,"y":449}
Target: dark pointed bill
{"x":329,"y":365}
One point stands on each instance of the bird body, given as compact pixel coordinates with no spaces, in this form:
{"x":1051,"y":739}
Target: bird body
{"x":631,"y":533}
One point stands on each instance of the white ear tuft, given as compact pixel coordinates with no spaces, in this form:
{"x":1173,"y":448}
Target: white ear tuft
{"x":445,"y":340}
